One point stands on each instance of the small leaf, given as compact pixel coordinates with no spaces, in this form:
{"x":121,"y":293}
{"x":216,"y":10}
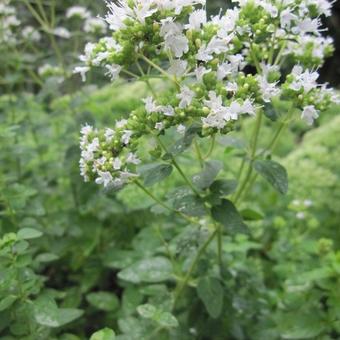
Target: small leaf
{"x":210,"y":292}
{"x":183,"y":143}
{"x":190,"y":205}
{"x":274,"y":173}
{"x":29,"y":233}
{"x":166,"y":319}
{"x":230,"y":141}
{"x":223,"y":187}
{"x":104,"y":334}
{"x":227,"y":214}
{"x":251,"y":215}
{"x":163,"y":318}
{"x":67,"y":315}
{"x":7,"y":302}
{"x":204,"y":179}
{"x":147,"y":311}
{"x":47,"y":313}
{"x":271,"y":112}
{"x":46,"y":257}
{"x":154,"y":173}
{"x":103,"y":300}
{"x":150,"y":270}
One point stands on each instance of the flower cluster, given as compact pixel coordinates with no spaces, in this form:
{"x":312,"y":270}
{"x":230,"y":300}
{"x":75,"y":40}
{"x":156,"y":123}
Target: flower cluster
{"x":8,"y":23}
{"x":219,"y":69}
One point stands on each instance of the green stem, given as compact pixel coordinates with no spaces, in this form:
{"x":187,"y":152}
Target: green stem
{"x":194,"y":263}
{"x":176,"y":165}
{"x":211,"y":149}
{"x":199,"y":154}
{"x":252,"y":157}
{"x":219,"y":246}
{"x":158,"y":68}
{"x":165,"y":206}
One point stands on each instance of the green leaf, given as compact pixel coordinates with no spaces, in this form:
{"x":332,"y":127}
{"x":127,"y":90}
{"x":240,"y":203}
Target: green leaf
{"x":251,"y":215}
{"x":183,"y":143}
{"x":152,"y":270}
{"x":47,"y":313}
{"x":274,"y":173}
{"x":204,"y":179}
{"x":46,"y":257}
{"x":7,"y":302}
{"x":67,"y":315}
{"x":29,"y":233}
{"x":104,"y":334}
{"x":161,"y":317}
{"x":227,"y":214}
{"x":147,"y":311}
{"x":223,"y":187}
{"x":271,"y":112}
{"x":189,"y":204}
{"x":103,"y":300}
{"x":210,"y":292}
{"x":301,"y":324}
{"x":154,"y":173}
{"x":231,"y":142}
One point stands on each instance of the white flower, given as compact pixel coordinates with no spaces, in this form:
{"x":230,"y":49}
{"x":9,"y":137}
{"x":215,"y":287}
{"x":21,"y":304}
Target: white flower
{"x":181,"y":129}
{"x":86,"y":130}
{"x":307,"y":25}
{"x":117,"y":163}
{"x":169,"y":28}
{"x":104,"y":178}
{"x":177,"y":67}
{"x":118,"y":12}
{"x":132,"y":159}
{"x":305,"y":80}
{"x":200,"y":72}
{"x":31,"y":33}
{"x":113,"y":71}
{"x":159,"y":126}
{"x":231,"y":86}
{"x":300,"y":215}
{"x":77,"y":11}
{"x":150,"y":105}
{"x":196,"y":19}
{"x":94,"y":25}
{"x":94,"y":145}
{"x":308,"y":203}
{"x":126,"y":136}
{"x":309,"y":113}
{"x":62,"y":32}
{"x":167,"y":110}
{"x":186,"y":95}
{"x":286,"y":17}
{"x":121,"y":123}
{"x":178,"y":44}
{"x":87,"y":57}
{"x":82,"y":70}
{"x":267,"y":89}
{"x":109,"y":134}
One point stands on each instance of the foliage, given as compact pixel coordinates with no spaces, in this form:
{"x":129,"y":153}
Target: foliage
{"x":215,"y":236}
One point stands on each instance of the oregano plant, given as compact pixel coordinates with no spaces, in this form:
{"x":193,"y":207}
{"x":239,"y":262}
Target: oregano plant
{"x":207,"y":77}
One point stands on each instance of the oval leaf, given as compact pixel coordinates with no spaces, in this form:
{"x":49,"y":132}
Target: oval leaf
{"x":210,"y":292}
{"x":104,"y":334}
{"x":274,"y":173}
{"x":150,"y":270}
{"x":154,"y":173}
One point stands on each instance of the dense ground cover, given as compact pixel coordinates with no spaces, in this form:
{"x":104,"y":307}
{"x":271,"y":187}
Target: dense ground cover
{"x":80,"y":261}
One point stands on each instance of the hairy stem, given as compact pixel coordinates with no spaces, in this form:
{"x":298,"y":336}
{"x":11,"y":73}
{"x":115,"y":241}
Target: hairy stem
{"x":194,"y":263}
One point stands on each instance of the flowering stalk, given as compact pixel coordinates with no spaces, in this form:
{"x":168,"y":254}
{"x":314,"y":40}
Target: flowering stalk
{"x":230,"y":68}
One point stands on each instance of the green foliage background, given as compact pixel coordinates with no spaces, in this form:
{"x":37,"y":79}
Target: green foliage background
{"x":75,"y":259}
